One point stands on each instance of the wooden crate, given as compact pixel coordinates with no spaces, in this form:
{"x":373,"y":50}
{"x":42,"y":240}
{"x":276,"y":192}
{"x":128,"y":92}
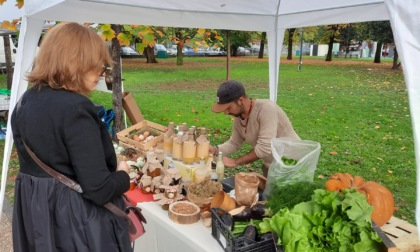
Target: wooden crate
{"x":398,"y":235}
{"x":126,"y":136}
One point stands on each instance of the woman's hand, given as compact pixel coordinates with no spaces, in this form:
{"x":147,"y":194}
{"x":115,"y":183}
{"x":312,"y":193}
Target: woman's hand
{"x":123,"y":166}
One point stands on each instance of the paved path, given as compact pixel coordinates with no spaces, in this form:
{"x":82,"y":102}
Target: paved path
{"x":6,"y":228}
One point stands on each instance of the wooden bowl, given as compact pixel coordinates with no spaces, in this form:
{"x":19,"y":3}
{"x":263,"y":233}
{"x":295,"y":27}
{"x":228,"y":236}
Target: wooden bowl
{"x":223,"y":201}
{"x":176,"y":212}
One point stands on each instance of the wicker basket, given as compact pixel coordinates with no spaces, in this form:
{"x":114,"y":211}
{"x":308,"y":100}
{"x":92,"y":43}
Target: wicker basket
{"x":202,"y":201}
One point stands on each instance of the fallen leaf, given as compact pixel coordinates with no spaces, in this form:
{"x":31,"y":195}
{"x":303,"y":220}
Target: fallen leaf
{"x":347,"y":152}
{"x":320,"y":176}
{"x":403,"y":148}
{"x":390,"y":171}
{"x":216,"y":135}
{"x":377,"y":127}
{"x":193,"y":110}
{"x":333,"y":153}
{"x":379,"y":158}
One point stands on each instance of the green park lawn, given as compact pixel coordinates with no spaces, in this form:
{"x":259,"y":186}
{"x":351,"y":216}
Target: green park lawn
{"x":358,"y":111}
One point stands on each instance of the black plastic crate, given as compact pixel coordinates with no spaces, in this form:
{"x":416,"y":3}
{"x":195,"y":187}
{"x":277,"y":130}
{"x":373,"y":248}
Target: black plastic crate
{"x":230,"y":243}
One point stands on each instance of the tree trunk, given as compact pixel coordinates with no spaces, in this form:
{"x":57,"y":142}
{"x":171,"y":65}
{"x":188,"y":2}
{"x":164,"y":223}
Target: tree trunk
{"x":290,"y":43}
{"x":395,"y":64}
{"x":234,"y":51}
{"x":262,"y":43}
{"x":228,"y":76}
{"x":330,"y":47}
{"x":378,"y":52}
{"x":116,"y":75}
{"x":8,"y":59}
{"x":179,"y":56}
{"x":149,"y":53}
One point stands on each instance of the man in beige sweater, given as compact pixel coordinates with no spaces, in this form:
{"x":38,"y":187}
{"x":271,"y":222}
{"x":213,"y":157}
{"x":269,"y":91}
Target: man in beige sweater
{"x":257,"y":121}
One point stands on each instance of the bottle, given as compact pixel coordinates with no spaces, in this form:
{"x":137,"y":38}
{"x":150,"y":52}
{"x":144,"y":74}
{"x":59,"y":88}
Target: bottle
{"x":178,"y":142}
{"x":189,"y":148}
{"x":171,"y":165}
{"x":209,"y":162}
{"x":168,"y":139}
{"x":220,"y":167}
{"x":203,"y":145}
{"x":213,"y":174}
{"x":201,"y":173}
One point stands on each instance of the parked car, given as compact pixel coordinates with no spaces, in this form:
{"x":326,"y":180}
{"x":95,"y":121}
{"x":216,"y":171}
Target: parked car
{"x":159,"y":48}
{"x":243,"y":51}
{"x":128,"y":51}
{"x":189,"y":51}
{"x":172,"y":51}
{"x":215,"y":52}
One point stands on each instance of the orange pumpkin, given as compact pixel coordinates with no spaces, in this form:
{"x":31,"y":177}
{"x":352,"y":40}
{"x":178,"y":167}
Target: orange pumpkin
{"x":377,"y":195}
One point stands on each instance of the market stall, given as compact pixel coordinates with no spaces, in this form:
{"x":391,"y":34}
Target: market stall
{"x":247,"y":211}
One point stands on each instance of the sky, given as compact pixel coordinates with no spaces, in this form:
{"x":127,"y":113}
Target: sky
{"x":8,"y":11}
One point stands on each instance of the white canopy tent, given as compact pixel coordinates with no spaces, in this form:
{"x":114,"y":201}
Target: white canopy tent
{"x":272,"y":16}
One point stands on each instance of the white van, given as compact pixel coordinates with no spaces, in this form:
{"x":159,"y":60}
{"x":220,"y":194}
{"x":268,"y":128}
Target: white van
{"x":13,"y":51}
{"x":159,"y":47}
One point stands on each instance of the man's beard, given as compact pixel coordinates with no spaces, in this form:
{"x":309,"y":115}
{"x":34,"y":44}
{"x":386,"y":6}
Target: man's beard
{"x":240,"y":112}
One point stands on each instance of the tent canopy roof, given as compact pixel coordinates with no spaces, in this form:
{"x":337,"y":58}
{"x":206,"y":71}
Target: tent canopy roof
{"x":255,"y":15}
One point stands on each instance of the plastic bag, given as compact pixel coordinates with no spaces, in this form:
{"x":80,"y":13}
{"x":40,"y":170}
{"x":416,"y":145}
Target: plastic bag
{"x":305,"y":152}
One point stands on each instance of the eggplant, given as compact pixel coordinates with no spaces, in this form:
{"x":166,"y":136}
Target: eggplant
{"x":251,"y":232}
{"x":259,"y":211}
{"x":266,"y":236}
{"x":245,"y":215}
{"x":228,"y":220}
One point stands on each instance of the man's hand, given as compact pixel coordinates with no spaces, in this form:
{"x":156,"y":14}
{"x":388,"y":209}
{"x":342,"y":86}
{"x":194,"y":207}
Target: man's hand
{"x":214,"y":150}
{"x":229,"y":162}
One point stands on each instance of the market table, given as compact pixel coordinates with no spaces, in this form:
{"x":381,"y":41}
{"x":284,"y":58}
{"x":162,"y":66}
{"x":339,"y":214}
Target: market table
{"x":162,"y":234}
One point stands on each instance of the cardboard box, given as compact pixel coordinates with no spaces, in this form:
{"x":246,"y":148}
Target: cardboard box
{"x":131,"y":108}
{"x":186,"y":171}
{"x":157,"y":130}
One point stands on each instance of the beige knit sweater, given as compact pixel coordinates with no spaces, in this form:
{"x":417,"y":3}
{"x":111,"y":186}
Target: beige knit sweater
{"x":266,"y":121}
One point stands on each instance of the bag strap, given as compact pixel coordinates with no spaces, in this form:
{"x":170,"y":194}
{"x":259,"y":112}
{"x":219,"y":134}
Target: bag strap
{"x":60,"y":177}
{"x":76,"y":187}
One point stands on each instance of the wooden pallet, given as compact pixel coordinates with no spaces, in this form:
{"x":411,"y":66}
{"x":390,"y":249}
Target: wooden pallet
{"x":403,"y":234}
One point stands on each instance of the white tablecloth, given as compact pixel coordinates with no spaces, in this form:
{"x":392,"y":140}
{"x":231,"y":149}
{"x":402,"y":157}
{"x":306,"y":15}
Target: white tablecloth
{"x":162,"y":234}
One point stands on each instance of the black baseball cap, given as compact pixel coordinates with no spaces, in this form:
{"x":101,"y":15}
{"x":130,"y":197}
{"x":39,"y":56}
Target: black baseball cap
{"x":228,"y":92}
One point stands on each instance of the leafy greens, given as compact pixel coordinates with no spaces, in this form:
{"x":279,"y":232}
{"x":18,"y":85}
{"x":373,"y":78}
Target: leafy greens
{"x":330,"y":221}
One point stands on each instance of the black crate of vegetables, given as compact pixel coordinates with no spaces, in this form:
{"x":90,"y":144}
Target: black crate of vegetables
{"x":224,"y":236}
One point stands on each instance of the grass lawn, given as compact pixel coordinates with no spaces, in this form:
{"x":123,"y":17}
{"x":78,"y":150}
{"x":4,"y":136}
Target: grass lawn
{"x":357,"y":110}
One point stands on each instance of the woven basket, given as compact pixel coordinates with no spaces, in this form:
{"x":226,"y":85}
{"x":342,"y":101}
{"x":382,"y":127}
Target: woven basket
{"x":202,"y":201}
